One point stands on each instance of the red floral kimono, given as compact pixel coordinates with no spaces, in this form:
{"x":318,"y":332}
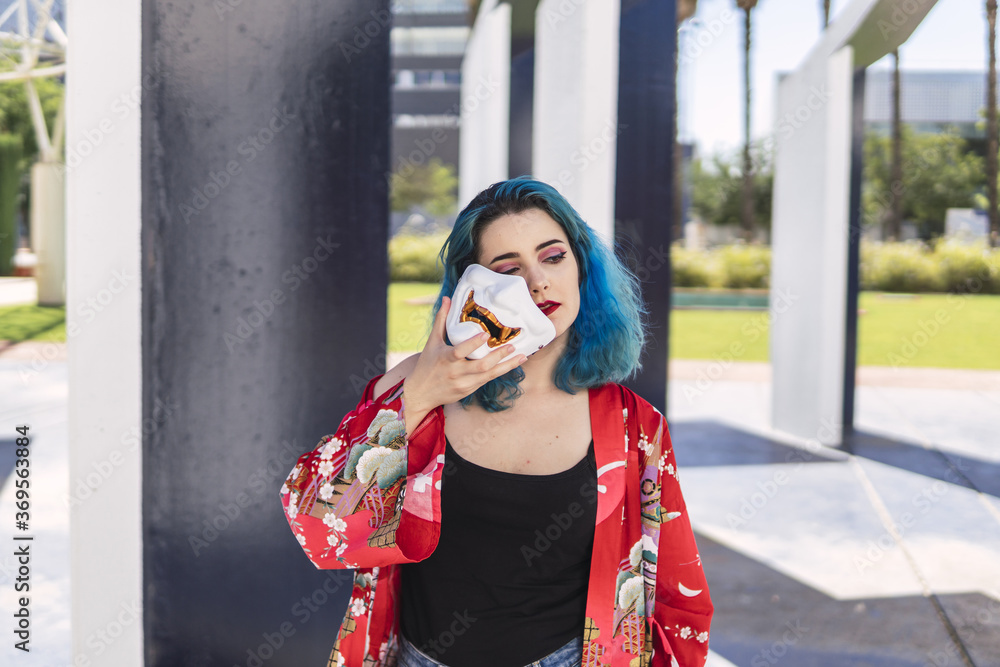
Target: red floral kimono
{"x":368,"y":498}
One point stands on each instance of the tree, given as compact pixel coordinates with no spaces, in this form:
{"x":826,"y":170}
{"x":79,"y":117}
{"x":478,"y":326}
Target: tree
{"x":747,"y":209}
{"x":894,"y":221}
{"x":15,"y":116}
{"x":939,"y":172}
{"x":19,"y":151}
{"x":686,"y":9}
{"x":10,"y":189}
{"x":431,"y":185}
{"x":717,"y":189}
{"x":991,"y":125}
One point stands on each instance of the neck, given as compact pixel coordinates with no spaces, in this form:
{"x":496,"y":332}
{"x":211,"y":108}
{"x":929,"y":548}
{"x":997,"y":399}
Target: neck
{"x":540,"y":366}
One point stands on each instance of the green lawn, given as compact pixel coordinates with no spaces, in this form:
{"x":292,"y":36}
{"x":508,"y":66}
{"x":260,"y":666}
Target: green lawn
{"x":945,"y":331}
{"x":889,"y":332}
{"x":737,"y":335}
{"x":409,"y":325}
{"x":39,"y":323}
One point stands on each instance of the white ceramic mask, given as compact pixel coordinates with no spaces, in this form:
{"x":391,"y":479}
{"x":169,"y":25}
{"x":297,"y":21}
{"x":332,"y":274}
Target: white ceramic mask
{"x":500,"y":305}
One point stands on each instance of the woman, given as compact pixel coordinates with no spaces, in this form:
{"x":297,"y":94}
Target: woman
{"x":511,"y":511}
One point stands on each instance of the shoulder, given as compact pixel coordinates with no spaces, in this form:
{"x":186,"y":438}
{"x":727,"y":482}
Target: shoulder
{"x":648,"y":430}
{"x":638,"y":410}
{"x":393,"y":376}
{"x":641,"y":405}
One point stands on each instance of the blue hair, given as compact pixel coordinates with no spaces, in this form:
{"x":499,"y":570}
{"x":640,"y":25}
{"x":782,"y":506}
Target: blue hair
{"x":605,"y":341}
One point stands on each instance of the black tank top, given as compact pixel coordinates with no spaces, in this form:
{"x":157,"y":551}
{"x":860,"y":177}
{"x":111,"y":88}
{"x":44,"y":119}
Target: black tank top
{"x":507,"y":583}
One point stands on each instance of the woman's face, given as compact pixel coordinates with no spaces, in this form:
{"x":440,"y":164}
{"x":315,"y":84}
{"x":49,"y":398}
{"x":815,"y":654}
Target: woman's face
{"x":534,"y":246}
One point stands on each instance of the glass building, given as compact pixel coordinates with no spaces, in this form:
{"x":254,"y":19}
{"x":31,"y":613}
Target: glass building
{"x":930,"y":102}
{"x":428,"y":41}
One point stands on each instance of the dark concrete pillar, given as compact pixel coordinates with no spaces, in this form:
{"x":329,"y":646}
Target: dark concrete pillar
{"x":522,"y":85}
{"x":643,"y":192}
{"x":264,"y":218}
{"x":522,"y":98}
{"x":854,"y":252}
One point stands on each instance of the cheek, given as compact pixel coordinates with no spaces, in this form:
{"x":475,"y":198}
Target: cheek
{"x":579,"y":273}
{"x":573,"y":302}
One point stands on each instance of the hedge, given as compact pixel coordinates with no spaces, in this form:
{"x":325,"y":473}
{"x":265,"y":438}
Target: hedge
{"x":413,"y":258}
{"x":11,"y":152}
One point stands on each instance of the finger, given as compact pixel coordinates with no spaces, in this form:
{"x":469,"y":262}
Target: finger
{"x":467,"y":347}
{"x":442,"y":316}
{"x":438,"y":327}
{"x":463,"y":349}
{"x":495,"y":357}
{"x":507,"y":366}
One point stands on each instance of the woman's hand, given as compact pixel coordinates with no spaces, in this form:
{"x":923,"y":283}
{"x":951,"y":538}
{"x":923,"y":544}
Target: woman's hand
{"x":443,"y":375}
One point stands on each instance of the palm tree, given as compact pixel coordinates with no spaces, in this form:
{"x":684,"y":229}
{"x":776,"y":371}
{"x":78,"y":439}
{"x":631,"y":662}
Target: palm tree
{"x":991,"y":125}
{"x":686,"y":9}
{"x":746,"y":216}
{"x":895,"y":219}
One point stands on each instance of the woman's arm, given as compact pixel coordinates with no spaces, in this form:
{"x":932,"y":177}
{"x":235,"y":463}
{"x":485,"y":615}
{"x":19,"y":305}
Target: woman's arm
{"x":343,"y":499}
{"x":415,"y":414}
{"x":441,"y":373}
{"x":395,"y":374}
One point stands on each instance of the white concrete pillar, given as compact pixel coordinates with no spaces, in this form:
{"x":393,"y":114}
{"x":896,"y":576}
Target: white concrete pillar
{"x":809,"y":241}
{"x":48,"y":231}
{"x":485,"y":104}
{"x":574,"y":142}
{"x":103,"y":197}
{"x":811,"y":215}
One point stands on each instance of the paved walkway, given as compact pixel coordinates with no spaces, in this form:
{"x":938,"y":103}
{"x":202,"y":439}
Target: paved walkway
{"x":883,"y":553}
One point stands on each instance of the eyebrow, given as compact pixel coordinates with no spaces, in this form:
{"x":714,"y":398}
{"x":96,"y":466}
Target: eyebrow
{"x":512,"y":255}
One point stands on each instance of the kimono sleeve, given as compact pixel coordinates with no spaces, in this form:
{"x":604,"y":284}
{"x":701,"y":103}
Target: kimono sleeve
{"x":344,"y":499}
{"x":682,"y":610}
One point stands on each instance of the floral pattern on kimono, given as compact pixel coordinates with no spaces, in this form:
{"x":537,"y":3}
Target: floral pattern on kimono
{"x":368,"y":498}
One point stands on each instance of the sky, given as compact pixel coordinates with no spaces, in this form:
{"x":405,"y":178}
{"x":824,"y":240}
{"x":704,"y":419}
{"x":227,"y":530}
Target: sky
{"x":951,"y":37}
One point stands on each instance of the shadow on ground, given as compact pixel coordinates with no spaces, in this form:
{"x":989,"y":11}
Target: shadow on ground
{"x":946,"y":466}
{"x":763,"y":617}
{"x":7,"y":458}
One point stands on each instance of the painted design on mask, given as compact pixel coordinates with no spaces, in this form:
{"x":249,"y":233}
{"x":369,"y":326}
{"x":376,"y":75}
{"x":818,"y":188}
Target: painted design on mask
{"x":499,"y":334}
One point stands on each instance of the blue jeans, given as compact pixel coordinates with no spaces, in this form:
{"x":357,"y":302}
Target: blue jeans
{"x":567,"y":655}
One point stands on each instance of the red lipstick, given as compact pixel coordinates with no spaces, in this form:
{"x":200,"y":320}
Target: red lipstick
{"x":548,"y":307}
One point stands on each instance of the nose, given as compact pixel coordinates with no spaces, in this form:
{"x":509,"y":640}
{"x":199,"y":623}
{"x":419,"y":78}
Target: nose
{"x":537,"y":279}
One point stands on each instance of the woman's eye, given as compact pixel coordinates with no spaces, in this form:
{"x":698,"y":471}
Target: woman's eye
{"x":510,"y":270}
